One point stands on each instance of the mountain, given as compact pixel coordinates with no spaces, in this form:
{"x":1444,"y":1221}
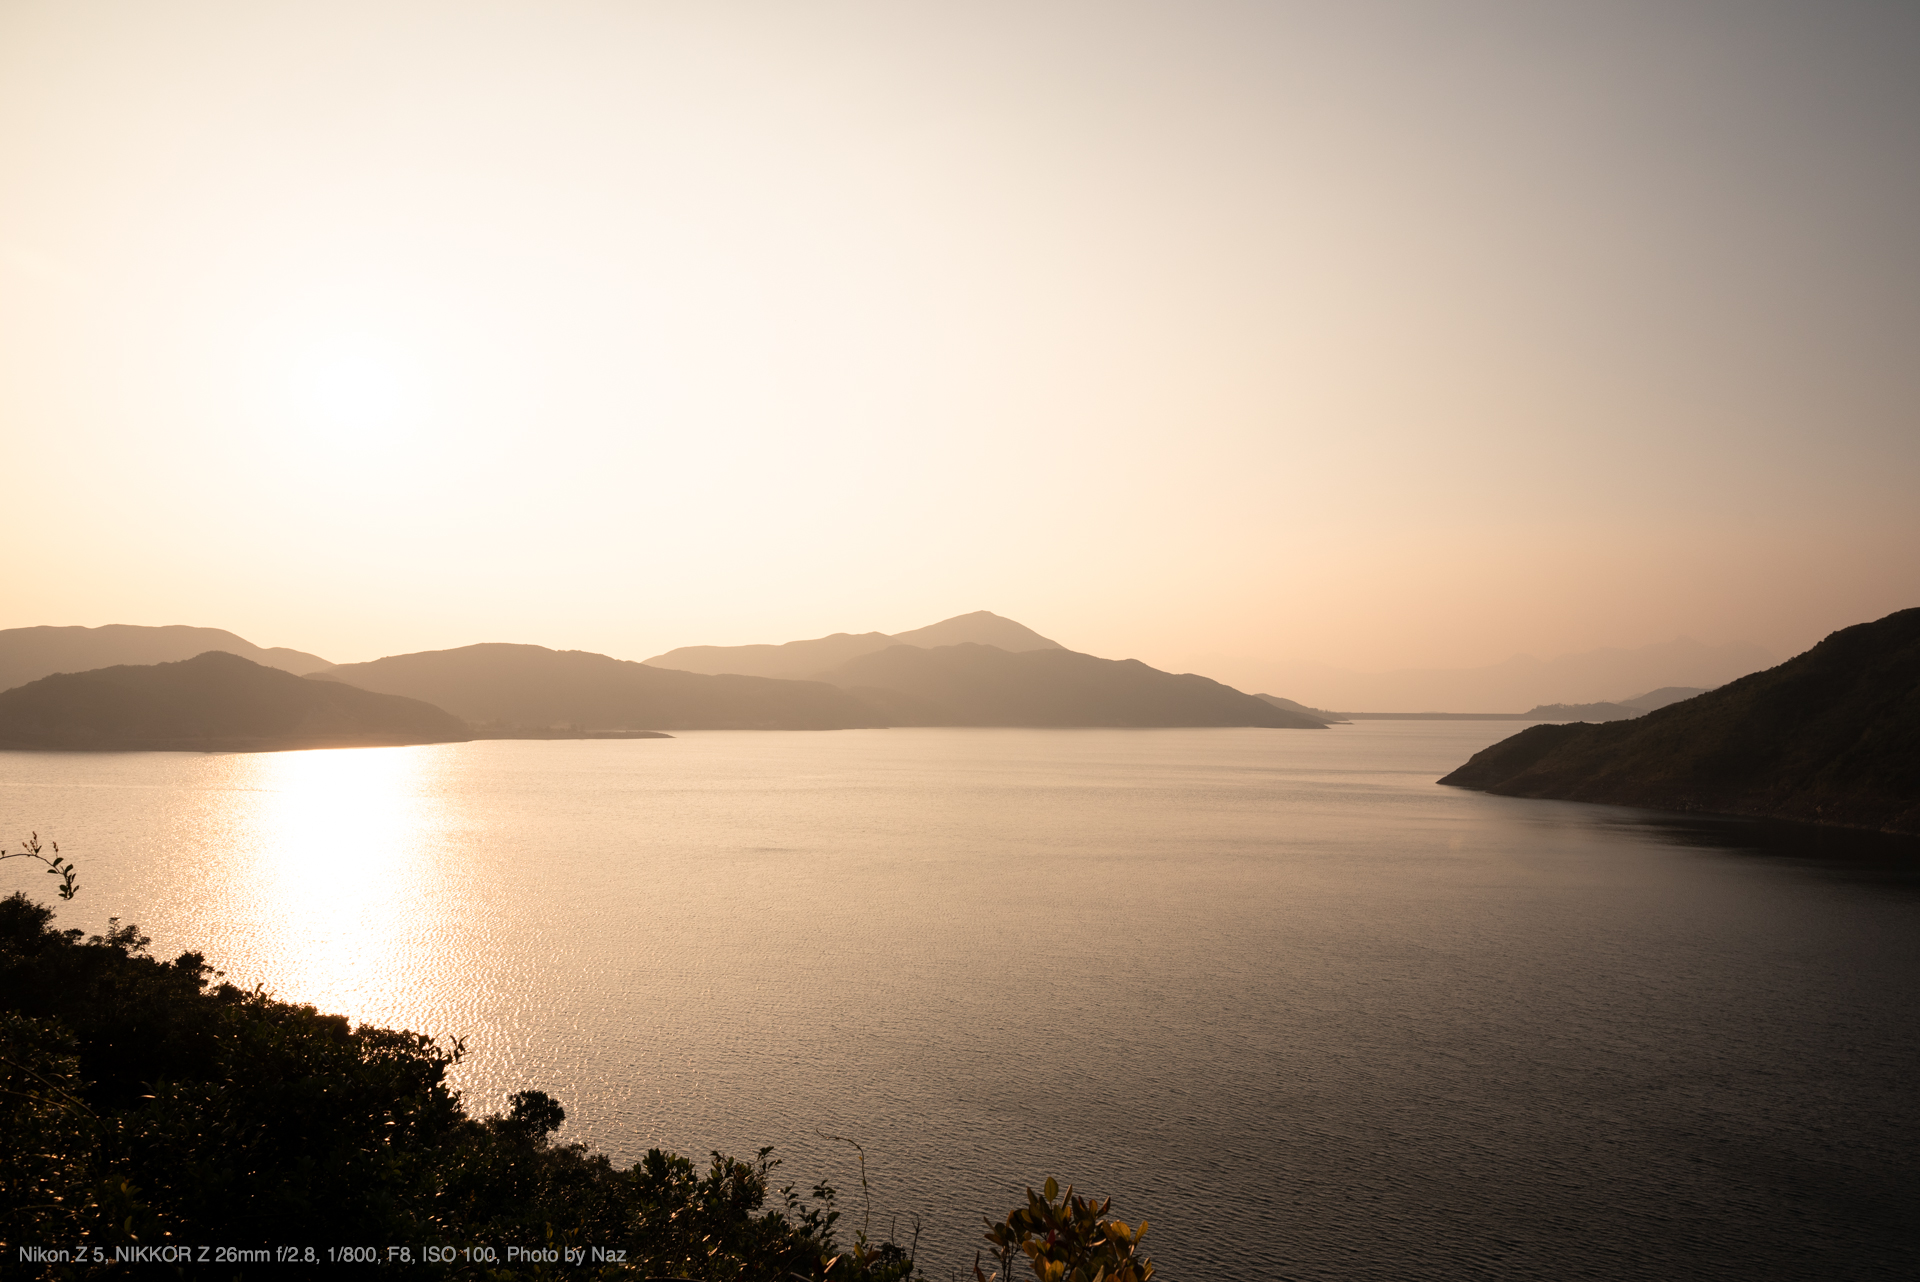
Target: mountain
{"x":214,"y":702}
{"x":1832,"y":736}
{"x":27,"y":654}
{"x":1522,"y":681}
{"x":532,"y":687}
{"x":808,"y":659}
{"x":982,"y":627}
{"x":983,"y":685}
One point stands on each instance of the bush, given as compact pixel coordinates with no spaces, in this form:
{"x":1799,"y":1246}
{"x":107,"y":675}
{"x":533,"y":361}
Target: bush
{"x":1066,"y":1238}
{"x":147,"y":1105}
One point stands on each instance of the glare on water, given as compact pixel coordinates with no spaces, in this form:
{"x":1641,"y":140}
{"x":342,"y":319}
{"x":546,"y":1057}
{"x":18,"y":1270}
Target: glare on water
{"x":320,"y":860}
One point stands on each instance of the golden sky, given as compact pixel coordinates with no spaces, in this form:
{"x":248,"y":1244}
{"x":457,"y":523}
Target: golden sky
{"x":1370,"y":335}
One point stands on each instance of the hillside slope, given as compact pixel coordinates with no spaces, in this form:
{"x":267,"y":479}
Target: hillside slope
{"x":27,"y":654}
{"x":1832,"y":736}
{"x":981,"y":685}
{"x":531,"y":686}
{"x":211,"y":703}
{"x":789,"y":661}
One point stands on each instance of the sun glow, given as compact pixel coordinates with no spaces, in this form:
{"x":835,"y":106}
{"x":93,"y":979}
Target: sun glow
{"x":355,"y":388}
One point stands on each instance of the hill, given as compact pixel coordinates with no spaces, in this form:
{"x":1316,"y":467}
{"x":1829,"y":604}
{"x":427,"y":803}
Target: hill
{"x":27,"y":654}
{"x":531,"y":687}
{"x":211,"y":703}
{"x":982,"y":685}
{"x":809,"y":659}
{"x":1832,"y":736}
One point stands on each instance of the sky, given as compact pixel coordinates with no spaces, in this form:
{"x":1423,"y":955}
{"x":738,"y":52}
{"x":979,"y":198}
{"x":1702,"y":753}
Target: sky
{"x":1241,"y":338}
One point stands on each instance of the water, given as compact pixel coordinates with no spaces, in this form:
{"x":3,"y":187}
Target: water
{"x":1312,"y":1015}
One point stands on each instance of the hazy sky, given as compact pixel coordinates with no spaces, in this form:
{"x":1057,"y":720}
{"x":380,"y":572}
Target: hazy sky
{"x":1371,"y":335}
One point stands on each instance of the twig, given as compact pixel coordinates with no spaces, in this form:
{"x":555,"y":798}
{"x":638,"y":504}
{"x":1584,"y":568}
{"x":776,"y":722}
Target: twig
{"x":61,"y":868}
{"x":866,"y":1194}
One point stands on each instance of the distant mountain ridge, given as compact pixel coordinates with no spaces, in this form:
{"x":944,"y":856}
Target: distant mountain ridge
{"x":922,"y":677}
{"x":531,"y":687}
{"x":495,"y":686}
{"x":1625,"y":708}
{"x":214,"y":702}
{"x":1522,"y":681}
{"x":805,"y":660}
{"x":27,"y":654}
{"x":1619,"y":710}
{"x":983,"y":685}
{"x":1832,"y":736}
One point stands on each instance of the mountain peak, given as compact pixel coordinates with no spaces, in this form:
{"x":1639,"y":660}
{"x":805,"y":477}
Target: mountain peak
{"x":982,"y":627}
{"x":808,"y":659}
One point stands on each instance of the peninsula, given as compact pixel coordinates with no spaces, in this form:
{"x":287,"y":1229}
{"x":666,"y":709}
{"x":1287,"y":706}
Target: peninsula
{"x":1830,"y":737}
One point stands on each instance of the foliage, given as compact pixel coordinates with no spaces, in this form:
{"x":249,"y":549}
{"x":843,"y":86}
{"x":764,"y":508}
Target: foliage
{"x":56,"y":866}
{"x":1066,"y":1238}
{"x":147,"y":1104}
{"x":143,"y":1104}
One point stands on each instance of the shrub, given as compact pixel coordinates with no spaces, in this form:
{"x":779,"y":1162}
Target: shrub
{"x":147,"y":1105}
{"x":1067,"y":1238}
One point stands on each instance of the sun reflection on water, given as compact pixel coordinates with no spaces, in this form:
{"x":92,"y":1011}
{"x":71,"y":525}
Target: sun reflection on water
{"x":327,"y":877}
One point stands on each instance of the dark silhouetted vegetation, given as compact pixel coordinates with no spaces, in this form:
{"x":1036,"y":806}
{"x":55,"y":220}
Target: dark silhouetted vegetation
{"x":151,"y":1106}
{"x":57,"y":866}
{"x":1066,"y":1238}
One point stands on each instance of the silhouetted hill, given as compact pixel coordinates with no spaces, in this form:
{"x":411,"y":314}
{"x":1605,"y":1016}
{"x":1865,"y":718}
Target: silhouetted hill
{"x":805,"y":660}
{"x":212,"y":703}
{"x":982,"y":685}
{"x":1832,"y":736}
{"x":531,"y":686}
{"x":27,"y":654}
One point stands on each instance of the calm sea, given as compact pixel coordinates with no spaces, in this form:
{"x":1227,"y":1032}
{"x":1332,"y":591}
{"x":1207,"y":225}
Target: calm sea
{"x":1275,"y":991}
